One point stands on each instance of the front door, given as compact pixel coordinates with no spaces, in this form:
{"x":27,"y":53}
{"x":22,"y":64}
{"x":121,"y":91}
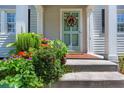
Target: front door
{"x":71,"y":29}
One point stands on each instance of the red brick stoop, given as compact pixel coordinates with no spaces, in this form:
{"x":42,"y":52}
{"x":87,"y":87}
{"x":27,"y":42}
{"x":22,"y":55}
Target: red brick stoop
{"x":81,"y":56}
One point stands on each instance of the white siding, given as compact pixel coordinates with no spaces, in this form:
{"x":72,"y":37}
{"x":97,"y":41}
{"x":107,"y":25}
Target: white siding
{"x":98,"y":35}
{"x":4,"y":40}
{"x":0,"y":22}
{"x":120,"y":35}
{"x":120,"y":43}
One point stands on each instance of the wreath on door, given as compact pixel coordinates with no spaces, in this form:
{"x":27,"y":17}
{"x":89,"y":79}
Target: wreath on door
{"x":71,"y":20}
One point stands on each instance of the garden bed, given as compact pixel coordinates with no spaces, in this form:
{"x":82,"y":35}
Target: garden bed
{"x":35,"y":62}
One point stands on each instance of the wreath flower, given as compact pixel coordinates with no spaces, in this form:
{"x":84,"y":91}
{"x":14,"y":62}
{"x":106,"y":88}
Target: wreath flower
{"x":71,"y":20}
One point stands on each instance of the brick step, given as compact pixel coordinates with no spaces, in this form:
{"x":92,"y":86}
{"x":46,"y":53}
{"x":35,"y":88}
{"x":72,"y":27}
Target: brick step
{"x":91,"y":80}
{"x":78,"y":65}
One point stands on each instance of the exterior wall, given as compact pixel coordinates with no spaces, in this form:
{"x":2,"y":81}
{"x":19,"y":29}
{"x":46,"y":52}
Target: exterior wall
{"x":33,"y":19}
{"x":5,"y":38}
{"x":52,"y":22}
{"x":98,"y":35}
{"x":120,"y":42}
{"x":120,"y":35}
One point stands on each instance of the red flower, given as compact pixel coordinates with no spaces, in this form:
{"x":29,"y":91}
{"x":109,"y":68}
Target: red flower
{"x":21,"y":53}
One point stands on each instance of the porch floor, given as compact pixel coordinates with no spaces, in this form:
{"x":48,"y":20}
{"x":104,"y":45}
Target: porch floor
{"x":81,"y":56}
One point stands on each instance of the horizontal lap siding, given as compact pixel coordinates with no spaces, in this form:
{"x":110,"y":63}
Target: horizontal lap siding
{"x":120,"y":43}
{"x":98,"y":36}
{"x":4,"y":40}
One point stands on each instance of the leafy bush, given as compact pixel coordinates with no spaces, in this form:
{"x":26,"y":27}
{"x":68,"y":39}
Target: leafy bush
{"x":60,"y":47}
{"x":47,"y":66}
{"x":27,"y":40}
{"x":121,"y":63}
{"x":18,"y":72}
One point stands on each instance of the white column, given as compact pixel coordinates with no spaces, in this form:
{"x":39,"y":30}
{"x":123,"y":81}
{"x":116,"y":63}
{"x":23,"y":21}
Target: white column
{"x":111,"y":33}
{"x":40,"y":19}
{"x":3,"y":22}
{"x":89,"y":30}
{"x":21,"y":18}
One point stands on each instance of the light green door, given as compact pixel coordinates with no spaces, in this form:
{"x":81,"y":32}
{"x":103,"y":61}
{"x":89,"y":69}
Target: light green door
{"x":71,"y":29}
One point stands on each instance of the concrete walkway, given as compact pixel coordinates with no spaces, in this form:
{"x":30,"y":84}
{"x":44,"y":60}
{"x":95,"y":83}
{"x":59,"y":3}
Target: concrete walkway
{"x":91,"y":74}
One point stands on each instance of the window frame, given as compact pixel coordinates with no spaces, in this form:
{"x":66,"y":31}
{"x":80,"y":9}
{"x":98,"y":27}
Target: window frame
{"x":5,"y":30}
{"x":12,"y":23}
{"x":119,"y":21}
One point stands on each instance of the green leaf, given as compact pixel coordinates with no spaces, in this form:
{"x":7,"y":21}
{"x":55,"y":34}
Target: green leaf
{"x":11,"y":45}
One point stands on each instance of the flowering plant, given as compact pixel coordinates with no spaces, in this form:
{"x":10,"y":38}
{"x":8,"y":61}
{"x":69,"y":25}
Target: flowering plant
{"x":44,"y":41}
{"x":44,"y":45}
{"x":22,"y":54}
{"x":35,"y":62}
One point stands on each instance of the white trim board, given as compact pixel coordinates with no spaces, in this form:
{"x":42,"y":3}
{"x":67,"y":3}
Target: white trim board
{"x":81,"y":24}
{"x":99,"y":56}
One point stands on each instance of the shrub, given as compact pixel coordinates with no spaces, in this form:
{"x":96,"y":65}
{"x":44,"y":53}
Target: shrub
{"x":47,"y":66}
{"x":25,"y":41}
{"x":61,"y":49}
{"x":45,"y":41}
{"x":18,"y":72}
{"x":121,"y":63}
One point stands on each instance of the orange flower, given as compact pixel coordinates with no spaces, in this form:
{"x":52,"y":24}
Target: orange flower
{"x":44,"y":45}
{"x":21,"y":53}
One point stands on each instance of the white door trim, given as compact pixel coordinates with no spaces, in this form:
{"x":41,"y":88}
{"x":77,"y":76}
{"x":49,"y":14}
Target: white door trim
{"x":81,"y":24}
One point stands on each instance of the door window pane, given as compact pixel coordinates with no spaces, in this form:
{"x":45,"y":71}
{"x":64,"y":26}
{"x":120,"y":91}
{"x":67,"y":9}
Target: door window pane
{"x":75,"y":39}
{"x":66,"y":26}
{"x":75,"y":27}
{"x":67,"y":39}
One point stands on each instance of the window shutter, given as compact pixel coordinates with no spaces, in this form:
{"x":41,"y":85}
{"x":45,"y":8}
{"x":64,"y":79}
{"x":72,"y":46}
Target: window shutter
{"x":103,"y":20}
{"x":29,"y":18}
